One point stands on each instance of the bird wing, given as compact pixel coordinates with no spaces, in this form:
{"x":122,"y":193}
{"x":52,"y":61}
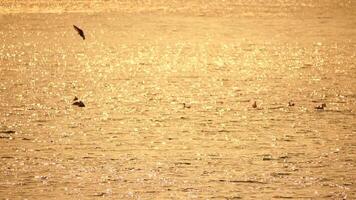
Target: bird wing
{"x":80,"y":31}
{"x":77,"y":29}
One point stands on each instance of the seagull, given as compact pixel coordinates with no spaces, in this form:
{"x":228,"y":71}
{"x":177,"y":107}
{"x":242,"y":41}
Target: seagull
{"x":80,"y":31}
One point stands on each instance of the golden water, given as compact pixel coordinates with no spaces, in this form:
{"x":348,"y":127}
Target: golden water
{"x":141,"y":62}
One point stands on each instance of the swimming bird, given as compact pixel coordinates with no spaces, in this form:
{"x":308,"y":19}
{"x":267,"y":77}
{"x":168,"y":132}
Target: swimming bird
{"x":79,"y":31}
{"x":77,"y":102}
{"x":254,"y":105}
{"x":320,"y":107}
{"x":186,"y":105}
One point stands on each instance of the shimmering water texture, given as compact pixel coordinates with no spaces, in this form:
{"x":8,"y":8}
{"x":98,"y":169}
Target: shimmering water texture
{"x":169,"y":91}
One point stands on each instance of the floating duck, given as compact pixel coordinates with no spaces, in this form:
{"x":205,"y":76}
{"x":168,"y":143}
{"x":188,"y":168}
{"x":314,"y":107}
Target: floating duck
{"x":254,"y":105}
{"x":186,"y":106}
{"x":320,"y":107}
{"x":77,"y":102}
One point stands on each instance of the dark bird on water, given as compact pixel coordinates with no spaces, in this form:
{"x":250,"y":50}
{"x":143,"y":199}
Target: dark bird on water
{"x":77,"y":102}
{"x":291,"y":103}
{"x":186,"y":105}
{"x":79,"y":31}
{"x":320,"y":107}
{"x":254,"y":105}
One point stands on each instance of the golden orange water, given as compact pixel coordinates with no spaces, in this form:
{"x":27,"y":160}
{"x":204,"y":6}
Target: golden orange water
{"x":168,"y":88}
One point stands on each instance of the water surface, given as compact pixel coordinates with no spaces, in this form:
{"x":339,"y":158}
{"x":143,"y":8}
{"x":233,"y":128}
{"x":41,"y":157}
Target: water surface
{"x":137,"y":68}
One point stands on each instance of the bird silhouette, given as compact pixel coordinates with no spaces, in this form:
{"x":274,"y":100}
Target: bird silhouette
{"x":320,"y":107}
{"x":291,"y":103}
{"x":79,"y":31}
{"x":186,"y":105}
{"x":254,"y":105}
{"x":77,"y":102}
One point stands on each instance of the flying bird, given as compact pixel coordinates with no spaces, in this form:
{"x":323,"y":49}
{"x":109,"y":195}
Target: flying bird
{"x":79,"y":31}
